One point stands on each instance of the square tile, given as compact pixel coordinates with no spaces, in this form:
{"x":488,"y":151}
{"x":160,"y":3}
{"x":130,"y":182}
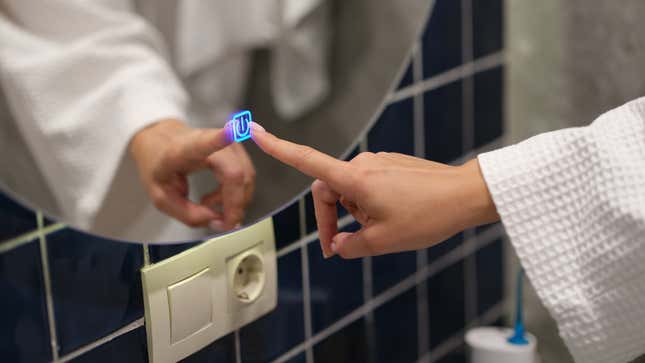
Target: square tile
{"x":347,"y":345}
{"x":286,"y":226}
{"x":446,"y":303}
{"x":388,"y":270}
{"x":220,"y":351}
{"x":443,"y":123}
{"x":442,"y":38}
{"x":396,"y":329}
{"x":275,"y":333}
{"x":301,"y":358}
{"x":490,"y":275}
{"x":161,"y":252}
{"x":24,"y":332}
{"x":96,"y":286}
{"x":129,"y":347}
{"x":336,"y":286}
{"x":394,"y":130}
{"x":488,"y":115}
{"x":488,"y":25}
{"x":16,"y":219}
{"x":442,"y":248}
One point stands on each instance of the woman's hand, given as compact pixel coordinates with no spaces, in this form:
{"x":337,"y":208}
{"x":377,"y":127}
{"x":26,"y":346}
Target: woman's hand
{"x":167,"y":151}
{"x":402,"y":202}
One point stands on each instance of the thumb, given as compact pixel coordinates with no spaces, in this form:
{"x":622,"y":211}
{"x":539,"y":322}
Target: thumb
{"x":200,"y":143}
{"x":364,"y":242}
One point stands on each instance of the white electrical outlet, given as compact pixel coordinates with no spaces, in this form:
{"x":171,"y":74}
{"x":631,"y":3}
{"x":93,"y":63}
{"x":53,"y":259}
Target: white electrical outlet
{"x":206,"y":292}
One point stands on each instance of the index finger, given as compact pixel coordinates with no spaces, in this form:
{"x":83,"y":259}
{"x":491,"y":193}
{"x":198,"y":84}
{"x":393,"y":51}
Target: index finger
{"x":304,"y":158}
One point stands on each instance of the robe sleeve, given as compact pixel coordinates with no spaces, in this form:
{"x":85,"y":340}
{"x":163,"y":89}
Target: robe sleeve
{"x":573,"y":204}
{"x":81,"y":78}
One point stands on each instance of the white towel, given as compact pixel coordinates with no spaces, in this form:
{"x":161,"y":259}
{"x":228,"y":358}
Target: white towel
{"x":573,"y":203}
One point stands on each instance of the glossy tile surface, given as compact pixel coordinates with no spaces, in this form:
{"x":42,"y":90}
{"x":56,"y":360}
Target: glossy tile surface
{"x":443,"y":124}
{"x":14,"y":218}
{"x":396,"y":329}
{"x":96,"y":286}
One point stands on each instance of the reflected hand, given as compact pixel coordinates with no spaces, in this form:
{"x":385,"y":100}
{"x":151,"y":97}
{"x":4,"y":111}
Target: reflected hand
{"x":402,"y":202}
{"x":167,"y":151}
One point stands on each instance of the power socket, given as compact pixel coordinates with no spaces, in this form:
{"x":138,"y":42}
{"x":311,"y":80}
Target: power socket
{"x":206,"y":292}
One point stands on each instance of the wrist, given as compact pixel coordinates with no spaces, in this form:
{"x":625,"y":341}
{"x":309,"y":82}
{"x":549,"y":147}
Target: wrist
{"x":479,"y":206}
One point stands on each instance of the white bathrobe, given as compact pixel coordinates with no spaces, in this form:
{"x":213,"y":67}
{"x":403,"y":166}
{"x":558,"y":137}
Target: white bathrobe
{"x":573,"y":204}
{"x":82,"y":77}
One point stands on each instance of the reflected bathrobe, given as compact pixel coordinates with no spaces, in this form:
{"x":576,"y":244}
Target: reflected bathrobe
{"x":573,"y":204}
{"x":80,"y":78}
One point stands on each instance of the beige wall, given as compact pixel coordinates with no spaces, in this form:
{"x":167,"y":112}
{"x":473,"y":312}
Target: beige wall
{"x":569,"y":61}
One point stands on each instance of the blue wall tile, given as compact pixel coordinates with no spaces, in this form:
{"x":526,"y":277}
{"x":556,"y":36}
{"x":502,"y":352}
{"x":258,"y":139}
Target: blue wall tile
{"x":490,"y":275}
{"x":161,"y":252}
{"x":487,"y":26}
{"x":488,"y":106}
{"x":443,"y":124}
{"x":24,"y":334}
{"x":336,"y":286}
{"x":130,"y":347}
{"x":347,"y":345}
{"x":444,"y":247}
{"x":446,"y":303}
{"x":442,"y":38}
{"x":96,"y":286}
{"x":387,"y":270}
{"x":394,"y":130}
{"x":16,"y":219}
{"x":301,"y":358}
{"x":396,"y":329}
{"x":287,"y":225}
{"x":220,"y":351}
{"x":258,"y":340}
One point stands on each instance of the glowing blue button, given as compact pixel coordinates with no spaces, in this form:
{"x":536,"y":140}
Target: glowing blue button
{"x":241,"y":126}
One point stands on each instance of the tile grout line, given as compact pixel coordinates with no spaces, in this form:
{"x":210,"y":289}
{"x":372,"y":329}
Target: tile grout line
{"x":306,"y":285}
{"x":445,"y":261}
{"x":343,"y":222}
{"x":238,"y":349}
{"x":146,"y":254}
{"x":10,"y":244}
{"x":423,"y":317}
{"x":457,"y":340}
{"x":467,"y":69}
{"x":97,"y":343}
{"x":49,"y":300}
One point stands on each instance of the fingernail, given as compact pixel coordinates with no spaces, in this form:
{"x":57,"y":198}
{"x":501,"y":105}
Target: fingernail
{"x":257,"y":127}
{"x":216,"y":225}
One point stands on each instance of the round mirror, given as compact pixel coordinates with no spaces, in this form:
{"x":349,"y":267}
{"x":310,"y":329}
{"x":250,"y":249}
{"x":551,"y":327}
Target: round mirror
{"x":74,"y":96}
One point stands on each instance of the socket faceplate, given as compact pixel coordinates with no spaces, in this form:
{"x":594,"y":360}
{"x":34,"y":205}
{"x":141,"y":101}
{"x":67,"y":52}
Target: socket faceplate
{"x":168,"y":284}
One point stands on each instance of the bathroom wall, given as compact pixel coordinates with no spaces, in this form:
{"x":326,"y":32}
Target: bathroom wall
{"x":568,"y":62}
{"x":69,"y":296}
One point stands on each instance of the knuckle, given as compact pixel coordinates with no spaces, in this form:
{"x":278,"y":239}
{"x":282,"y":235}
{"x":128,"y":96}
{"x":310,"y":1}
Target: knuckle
{"x":305,"y":153}
{"x":317,"y":186}
{"x":234,"y":175}
{"x":382,"y":153}
{"x":158,"y":198}
{"x":362,"y":157}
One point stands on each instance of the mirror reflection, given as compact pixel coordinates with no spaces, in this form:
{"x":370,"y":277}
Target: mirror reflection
{"x":112,"y":114}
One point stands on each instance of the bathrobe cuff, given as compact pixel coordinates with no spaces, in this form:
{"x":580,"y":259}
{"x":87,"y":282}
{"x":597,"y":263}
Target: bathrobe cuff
{"x":573,"y":204}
